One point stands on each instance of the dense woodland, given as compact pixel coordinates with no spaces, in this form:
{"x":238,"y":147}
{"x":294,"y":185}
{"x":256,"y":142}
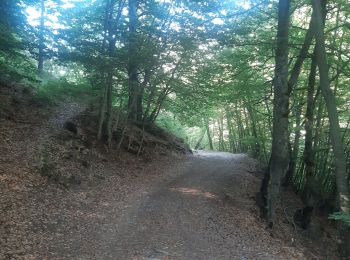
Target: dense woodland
{"x":267,"y":78}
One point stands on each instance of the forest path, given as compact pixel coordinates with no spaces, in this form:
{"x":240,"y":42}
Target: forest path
{"x":191,"y":217}
{"x":203,"y":210}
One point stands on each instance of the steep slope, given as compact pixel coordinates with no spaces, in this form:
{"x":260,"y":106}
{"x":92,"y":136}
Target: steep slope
{"x":42,"y":163}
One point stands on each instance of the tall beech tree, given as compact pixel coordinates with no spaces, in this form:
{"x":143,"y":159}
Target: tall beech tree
{"x":135,"y":101}
{"x":334,"y":127}
{"x":328,"y":95}
{"x":279,"y":160}
{"x":41,"y":38}
{"x":111,"y":27}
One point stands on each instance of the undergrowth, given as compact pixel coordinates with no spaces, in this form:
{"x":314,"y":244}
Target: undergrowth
{"x":340,"y":216}
{"x":55,"y":90}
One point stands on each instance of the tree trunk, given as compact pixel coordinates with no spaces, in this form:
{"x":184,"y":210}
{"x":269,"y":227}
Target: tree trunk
{"x":134,"y":100}
{"x":230,"y":132}
{"x":309,"y":123}
{"x":109,"y":107}
{"x":256,"y":145}
{"x":294,"y":75}
{"x":102,"y":113}
{"x":199,"y":140}
{"x":334,"y":127}
{"x":295,"y":151}
{"x":41,"y":38}
{"x":280,"y":154}
{"x":239,"y":123}
{"x":328,"y":95}
{"x":221,"y":134}
{"x":161,"y":98}
{"x":291,"y":83}
{"x":309,"y":194}
{"x":141,"y":116}
{"x":209,"y":136}
{"x":105,"y":116}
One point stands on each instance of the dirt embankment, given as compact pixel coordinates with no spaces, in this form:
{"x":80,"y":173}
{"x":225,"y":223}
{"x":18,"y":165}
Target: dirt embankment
{"x":46,"y":170}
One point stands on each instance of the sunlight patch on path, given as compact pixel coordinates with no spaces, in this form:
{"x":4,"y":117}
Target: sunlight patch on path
{"x":195,"y":192}
{"x":216,"y":155}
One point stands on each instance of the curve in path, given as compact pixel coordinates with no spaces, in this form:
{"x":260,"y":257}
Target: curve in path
{"x":203,"y":213}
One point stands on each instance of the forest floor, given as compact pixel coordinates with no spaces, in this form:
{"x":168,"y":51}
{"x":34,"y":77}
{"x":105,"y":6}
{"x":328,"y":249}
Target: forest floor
{"x":199,"y":206}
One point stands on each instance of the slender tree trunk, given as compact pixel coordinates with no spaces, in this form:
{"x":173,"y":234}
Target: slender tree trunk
{"x":280,"y":153}
{"x":161,"y":98}
{"x":334,"y":127}
{"x":102,"y":113}
{"x":295,"y":150}
{"x":318,"y":125}
{"x":291,"y":83}
{"x":103,"y":102}
{"x":256,"y":145}
{"x":109,"y":116}
{"x":105,"y":126}
{"x":41,"y":38}
{"x":200,"y":140}
{"x":142,"y":115}
{"x":113,"y":29}
{"x":221,"y":134}
{"x":209,"y":136}
{"x":231,"y":136}
{"x":294,"y":75}
{"x":309,"y":195}
{"x":242,"y":147}
{"x":328,"y":95}
{"x":309,"y":124}
{"x":134,"y":94}
{"x":150,"y":99}
{"x":269,"y":118}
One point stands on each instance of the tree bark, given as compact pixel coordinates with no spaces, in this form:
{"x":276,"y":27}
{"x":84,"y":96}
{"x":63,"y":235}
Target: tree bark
{"x":294,"y":75}
{"x":334,"y":127}
{"x":105,"y":116}
{"x":102,"y":113}
{"x":328,"y":95}
{"x":221,"y":134}
{"x":280,"y":154}
{"x":209,"y":136}
{"x":230,"y":131}
{"x":41,"y":38}
{"x":294,"y":151}
{"x":239,"y":123}
{"x":309,"y":124}
{"x":256,"y":146}
{"x":134,"y":100}
{"x":200,"y":140}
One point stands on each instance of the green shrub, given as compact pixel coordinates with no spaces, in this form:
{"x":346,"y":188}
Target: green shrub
{"x":340,"y":216}
{"x":167,"y":121}
{"x":55,"y":90}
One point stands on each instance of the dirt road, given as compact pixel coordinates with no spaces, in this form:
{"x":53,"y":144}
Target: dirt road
{"x":203,"y":210}
{"x":187,"y":218}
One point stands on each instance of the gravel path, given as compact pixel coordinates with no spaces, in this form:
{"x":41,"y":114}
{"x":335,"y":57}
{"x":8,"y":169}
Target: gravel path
{"x":203,"y":210}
